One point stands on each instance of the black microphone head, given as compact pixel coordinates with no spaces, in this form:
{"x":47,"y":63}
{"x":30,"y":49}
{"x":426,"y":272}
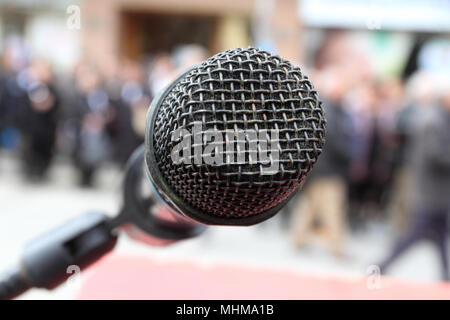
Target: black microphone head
{"x":247,"y":91}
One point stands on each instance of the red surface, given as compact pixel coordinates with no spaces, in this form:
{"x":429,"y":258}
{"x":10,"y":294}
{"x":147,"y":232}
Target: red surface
{"x":129,"y":277}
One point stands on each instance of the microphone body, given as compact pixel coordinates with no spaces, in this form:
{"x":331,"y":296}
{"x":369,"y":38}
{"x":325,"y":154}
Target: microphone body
{"x":249,"y":126}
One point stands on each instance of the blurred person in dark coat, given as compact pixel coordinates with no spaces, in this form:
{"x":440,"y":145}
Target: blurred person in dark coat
{"x":127,"y":124}
{"x":92,"y":110}
{"x":323,"y":205}
{"x":13,"y":96}
{"x":430,"y":156}
{"x":420,"y":94}
{"x":384,"y":144}
{"x":38,"y":120}
{"x":361,"y":102}
{"x":3,"y":108}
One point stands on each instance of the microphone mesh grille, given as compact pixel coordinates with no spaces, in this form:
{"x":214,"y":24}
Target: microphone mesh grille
{"x":241,"y":89}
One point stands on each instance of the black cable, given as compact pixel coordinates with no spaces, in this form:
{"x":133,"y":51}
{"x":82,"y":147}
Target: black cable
{"x":12,"y":284}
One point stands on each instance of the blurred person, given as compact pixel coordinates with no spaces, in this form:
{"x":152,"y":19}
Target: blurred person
{"x":420,"y":94}
{"x":127,"y":121}
{"x":91,"y":108}
{"x":112,"y":81}
{"x":186,"y":56}
{"x":390,"y":100}
{"x":333,"y":50}
{"x":66,"y":86}
{"x":374,"y":146}
{"x":38,"y":120}
{"x":430,"y":165}
{"x":360,"y":103}
{"x":13,"y":97}
{"x":3,"y":112}
{"x":322,"y":208}
{"x":161,"y":72}
{"x":384,"y":143}
{"x":94,"y":146}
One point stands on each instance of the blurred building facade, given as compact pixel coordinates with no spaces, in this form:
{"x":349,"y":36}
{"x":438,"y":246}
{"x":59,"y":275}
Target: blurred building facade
{"x":134,"y":29}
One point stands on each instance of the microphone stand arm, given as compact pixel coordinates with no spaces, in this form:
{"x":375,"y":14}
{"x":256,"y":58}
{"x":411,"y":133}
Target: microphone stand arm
{"x":46,"y":260}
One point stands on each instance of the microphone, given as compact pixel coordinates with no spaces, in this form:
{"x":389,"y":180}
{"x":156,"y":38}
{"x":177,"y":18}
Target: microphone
{"x":227,"y":143}
{"x":245,"y":99}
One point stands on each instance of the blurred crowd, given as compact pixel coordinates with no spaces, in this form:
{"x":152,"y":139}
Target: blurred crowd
{"x":387,"y":154}
{"x":93,"y":115}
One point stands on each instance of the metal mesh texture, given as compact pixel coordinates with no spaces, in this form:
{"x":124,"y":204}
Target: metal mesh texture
{"x":241,"y":89}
